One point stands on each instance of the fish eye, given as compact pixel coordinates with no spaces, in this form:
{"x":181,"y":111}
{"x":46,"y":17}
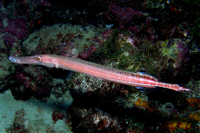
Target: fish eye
{"x":38,"y":58}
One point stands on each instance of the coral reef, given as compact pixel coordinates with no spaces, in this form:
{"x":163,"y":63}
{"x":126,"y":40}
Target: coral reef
{"x":66,"y":40}
{"x":159,"y":38}
{"x":20,"y":124}
{"x":92,"y":120}
{"x":31,"y":81}
{"x":124,"y":14}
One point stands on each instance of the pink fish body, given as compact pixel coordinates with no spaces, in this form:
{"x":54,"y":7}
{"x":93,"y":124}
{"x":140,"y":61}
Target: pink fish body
{"x":98,"y":71}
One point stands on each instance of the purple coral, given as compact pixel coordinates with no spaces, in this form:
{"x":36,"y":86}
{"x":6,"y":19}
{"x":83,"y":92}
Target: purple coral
{"x":12,"y":30}
{"x":9,"y":40}
{"x":16,"y":27}
{"x":183,"y":55}
{"x":124,"y":14}
{"x":44,"y":3}
{"x":31,"y":81}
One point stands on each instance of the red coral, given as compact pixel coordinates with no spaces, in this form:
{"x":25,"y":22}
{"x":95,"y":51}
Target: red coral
{"x":57,"y":116}
{"x":30,"y":82}
{"x":88,"y":52}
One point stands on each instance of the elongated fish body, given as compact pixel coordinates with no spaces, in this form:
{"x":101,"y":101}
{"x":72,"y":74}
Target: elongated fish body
{"x":95,"y":70}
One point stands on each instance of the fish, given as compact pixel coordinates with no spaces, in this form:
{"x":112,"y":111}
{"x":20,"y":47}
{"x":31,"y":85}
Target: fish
{"x":96,"y":70}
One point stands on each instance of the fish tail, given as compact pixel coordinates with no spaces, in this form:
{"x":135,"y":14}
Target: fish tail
{"x":174,"y":87}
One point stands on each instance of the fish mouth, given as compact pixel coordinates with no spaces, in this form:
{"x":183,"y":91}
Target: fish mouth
{"x":26,"y":60}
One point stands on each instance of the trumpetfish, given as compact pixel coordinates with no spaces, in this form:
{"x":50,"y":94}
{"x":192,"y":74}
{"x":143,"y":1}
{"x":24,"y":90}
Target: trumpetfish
{"x":96,"y":70}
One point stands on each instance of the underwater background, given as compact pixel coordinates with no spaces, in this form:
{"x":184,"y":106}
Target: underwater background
{"x":160,"y":38}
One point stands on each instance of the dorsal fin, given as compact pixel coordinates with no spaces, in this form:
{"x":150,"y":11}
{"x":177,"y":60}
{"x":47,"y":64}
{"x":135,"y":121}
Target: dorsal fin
{"x":146,"y":76}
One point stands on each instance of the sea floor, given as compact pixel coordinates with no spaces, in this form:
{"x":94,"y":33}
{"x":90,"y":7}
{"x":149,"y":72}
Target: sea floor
{"x":32,"y":115}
